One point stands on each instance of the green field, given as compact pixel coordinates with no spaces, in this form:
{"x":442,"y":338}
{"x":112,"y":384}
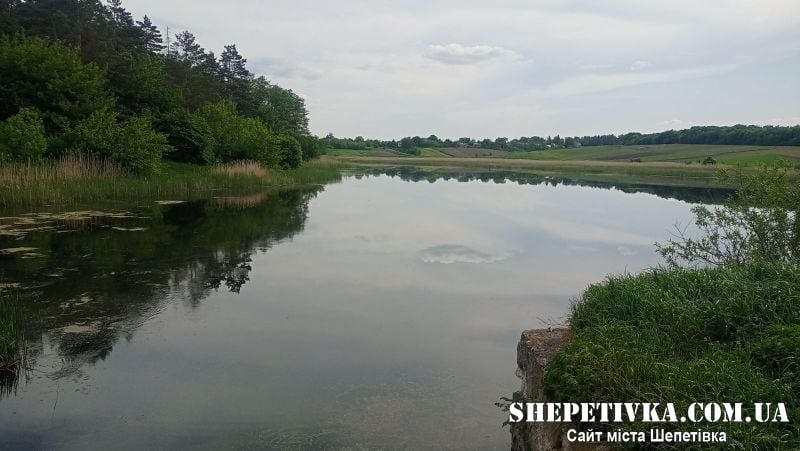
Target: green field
{"x":668,"y":164}
{"x":364,"y":153}
{"x":676,"y":153}
{"x":682,"y":153}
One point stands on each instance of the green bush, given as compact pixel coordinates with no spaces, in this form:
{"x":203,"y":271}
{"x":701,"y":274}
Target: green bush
{"x":237,"y":137}
{"x":132,"y":143}
{"x":762,"y":222}
{"x":312,"y":147}
{"x":138,"y":147}
{"x":289,"y":149}
{"x":22,"y":137}
{"x":190,"y":135}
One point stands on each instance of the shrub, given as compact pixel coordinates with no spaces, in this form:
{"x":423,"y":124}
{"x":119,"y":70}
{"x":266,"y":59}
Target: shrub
{"x":760,"y":222}
{"x":190,"y":135}
{"x":132,"y":143}
{"x":289,"y":149}
{"x":22,"y":137}
{"x":237,"y":137}
{"x":138,"y":147}
{"x":311,"y":146}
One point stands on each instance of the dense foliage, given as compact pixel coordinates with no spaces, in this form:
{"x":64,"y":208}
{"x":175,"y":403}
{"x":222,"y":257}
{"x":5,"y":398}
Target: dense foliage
{"x":737,"y":134}
{"x":83,"y":75}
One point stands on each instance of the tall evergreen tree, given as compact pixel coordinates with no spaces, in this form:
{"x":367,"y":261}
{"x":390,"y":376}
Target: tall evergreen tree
{"x":186,"y":49}
{"x":153,"y":42}
{"x":232,"y":65}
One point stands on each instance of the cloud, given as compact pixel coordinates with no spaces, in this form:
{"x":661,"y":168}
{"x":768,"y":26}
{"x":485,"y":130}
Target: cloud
{"x":456,"y":253}
{"x":500,"y":68}
{"x":585,"y":84}
{"x":460,"y":54}
{"x":639,"y":65}
{"x":672,"y":122}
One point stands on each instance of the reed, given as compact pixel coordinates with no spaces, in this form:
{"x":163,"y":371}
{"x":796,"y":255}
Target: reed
{"x":242,"y":167}
{"x":12,"y":343}
{"x":78,"y":179}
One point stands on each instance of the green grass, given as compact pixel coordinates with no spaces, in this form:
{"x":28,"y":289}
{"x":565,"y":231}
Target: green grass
{"x":11,"y":333}
{"x":669,"y":164}
{"x":683,"y":153}
{"x":175,"y":181}
{"x":666,"y":174}
{"x":431,"y":152}
{"x":364,"y":153}
{"x":711,"y":335}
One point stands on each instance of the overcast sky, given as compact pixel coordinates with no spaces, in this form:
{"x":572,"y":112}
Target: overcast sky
{"x":387,"y":69}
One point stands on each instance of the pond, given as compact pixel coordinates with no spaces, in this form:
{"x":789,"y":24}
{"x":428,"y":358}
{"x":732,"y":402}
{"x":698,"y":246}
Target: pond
{"x":379,"y":312}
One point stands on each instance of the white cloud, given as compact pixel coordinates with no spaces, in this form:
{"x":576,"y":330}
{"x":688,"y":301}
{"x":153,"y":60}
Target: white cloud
{"x":455,"y":253}
{"x":639,"y":65}
{"x":586,"y":84}
{"x":460,"y":54}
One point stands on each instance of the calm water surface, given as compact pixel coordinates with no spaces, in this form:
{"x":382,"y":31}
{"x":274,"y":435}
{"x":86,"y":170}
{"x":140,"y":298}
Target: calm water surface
{"x":373,"y":313}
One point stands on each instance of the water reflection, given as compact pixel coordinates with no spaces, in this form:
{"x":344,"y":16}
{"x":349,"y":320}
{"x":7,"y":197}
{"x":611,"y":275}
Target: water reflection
{"x":94,"y":278}
{"x":374,"y":314}
{"x":431,"y":175}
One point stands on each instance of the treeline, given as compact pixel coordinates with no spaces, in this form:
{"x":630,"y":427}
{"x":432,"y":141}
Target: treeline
{"x":80,"y":75}
{"x":733,"y":135}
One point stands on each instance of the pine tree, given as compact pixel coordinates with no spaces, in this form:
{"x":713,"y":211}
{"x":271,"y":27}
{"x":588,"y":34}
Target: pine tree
{"x":232,"y":65}
{"x":186,"y":49}
{"x":153,"y":41}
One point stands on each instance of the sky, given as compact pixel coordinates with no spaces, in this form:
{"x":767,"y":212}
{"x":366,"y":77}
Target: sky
{"x":387,"y":69}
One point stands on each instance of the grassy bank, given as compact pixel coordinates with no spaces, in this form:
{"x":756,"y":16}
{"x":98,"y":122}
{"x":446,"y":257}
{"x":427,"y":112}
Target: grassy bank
{"x":745,"y":155}
{"x":730,"y":334}
{"x":667,"y":164}
{"x":77,"y":180}
{"x":659,"y":173}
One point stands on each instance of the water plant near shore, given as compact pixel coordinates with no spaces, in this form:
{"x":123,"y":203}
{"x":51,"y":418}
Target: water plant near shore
{"x":77,"y":179}
{"x":12,"y":342}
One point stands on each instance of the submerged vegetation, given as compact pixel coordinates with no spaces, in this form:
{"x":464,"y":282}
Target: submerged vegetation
{"x":728,"y":331}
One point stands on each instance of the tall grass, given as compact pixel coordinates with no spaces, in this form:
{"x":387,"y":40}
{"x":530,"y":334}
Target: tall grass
{"x":79,"y":179}
{"x":12,"y":342}
{"x":243,"y":167}
{"x":727,"y":334}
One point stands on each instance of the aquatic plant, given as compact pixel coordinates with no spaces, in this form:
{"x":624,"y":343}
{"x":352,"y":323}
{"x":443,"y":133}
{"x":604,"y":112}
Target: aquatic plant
{"x":78,"y":179}
{"x":12,"y":341}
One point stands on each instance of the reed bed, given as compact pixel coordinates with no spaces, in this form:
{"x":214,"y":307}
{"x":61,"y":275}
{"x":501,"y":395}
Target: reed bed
{"x":79,"y":179}
{"x":243,"y":167}
{"x":72,"y":166}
